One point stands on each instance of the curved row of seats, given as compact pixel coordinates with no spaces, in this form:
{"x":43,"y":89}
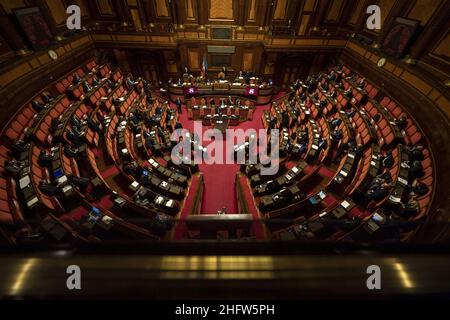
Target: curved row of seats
{"x":374,"y":136}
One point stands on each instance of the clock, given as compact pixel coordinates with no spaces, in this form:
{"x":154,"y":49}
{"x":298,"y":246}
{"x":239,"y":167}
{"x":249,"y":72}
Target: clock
{"x":52,"y":54}
{"x":381,"y":62}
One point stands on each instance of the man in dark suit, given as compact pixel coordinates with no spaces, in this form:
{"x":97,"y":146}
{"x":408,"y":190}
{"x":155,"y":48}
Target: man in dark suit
{"x":45,"y":159}
{"x":387,"y":160}
{"x":69,"y":151}
{"x":37,"y":106}
{"x":49,"y":189}
{"x":178,"y":103}
{"x":76,"y":79}
{"x":12,"y":168}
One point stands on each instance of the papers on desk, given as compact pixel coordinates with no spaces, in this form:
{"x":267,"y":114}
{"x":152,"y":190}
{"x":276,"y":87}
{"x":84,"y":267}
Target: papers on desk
{"x":322,"y":194}
{"x":164,"y":184}
{"x":24,"y":182}
{"x":294,"y":169}
{"x":395,"y":199}
{"x":159,"y":200}
{"x":134,"y":186}
{"x":344,"y":173}
{"x":345,"y":204}
{"x":373,"y":163}
{"x":317,"y":135}
{"x":62,"y":180}
{"x":315,"y":147}
{"x":67,"y":188}
{"x":402,"y":181}
{"x":124,"y":151}
{"x":32,"y":202}
{"x":169,"y":203}
{"x":351,"y":155}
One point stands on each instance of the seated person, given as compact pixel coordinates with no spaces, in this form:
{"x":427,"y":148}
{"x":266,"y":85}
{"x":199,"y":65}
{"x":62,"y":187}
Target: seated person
{"x":18,"y":147}
{"x":376,"y":118}
{"x":116,"y":102}
{"x":13,"y":168}
{"x":284,"y":119}
{"x":74,"y":138}
{"x":387,"y":160}
{"x":111,"y":84}
{"x":361,"y":83}
{"x":350,"y":112}
{"x":95,"y":81}
{"x":323,"y":144}
{"x":410,"y":209}
{"x":418,"y":188}
{"x":81,"y":182}
{"x":341,"y":149}
{"x":69,"y":151}
{"x":76,"y":79}
{"x":378,"y":192}
{"x":49,"y":189}
{"x":86,"y":87}
{"x":415,"y":153}
{"x":149,"y":143}
{"x":75,"y":121}
{"x":130,"y":168}
{"x":47,"y":97}
{"x":333,"y":94}
{"x":45,"y":159}
{"x":37,"y":106}
{"x":323,"y":103}
{"x":55,"y":124}
{"x":336,"y":135}
{"x":93,"y":125}
{"x":335,"y":122}
{"x":348,"y":93}
{"x":415,"y":169}
{"x":178,"y":126}
{"x":401,"y":123}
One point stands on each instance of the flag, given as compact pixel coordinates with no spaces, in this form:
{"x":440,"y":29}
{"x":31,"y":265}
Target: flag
{"x":204,"y":65}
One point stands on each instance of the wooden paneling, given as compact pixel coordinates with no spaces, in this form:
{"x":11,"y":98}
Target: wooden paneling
{"x":442,"y":49}
{"x":280,"y":10}
{"x":190,"y":9}
{"x":422,"y":10}
{"x":309,"y":5}
{"x":58,"y":11}
{"x":9,"y":5}
{"x":194,"y":59}
{"x":357,"y":12}
{"x":252,"y":10}
{"x":386,"y":7}
{"x":162,"y":9}
{"x":221,"y":9}
{"x":335,"y":10}
{"x":247,"y":61}
{"x":303,"y":24}
{"x":105,"y":7}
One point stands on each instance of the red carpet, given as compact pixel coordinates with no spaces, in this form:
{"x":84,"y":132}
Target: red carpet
{"x":78,"y":213}
{"x":110,"y":172}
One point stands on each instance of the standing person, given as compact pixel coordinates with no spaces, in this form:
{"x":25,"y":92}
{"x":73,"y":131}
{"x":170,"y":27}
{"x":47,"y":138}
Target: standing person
{"x":178,"y":103}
